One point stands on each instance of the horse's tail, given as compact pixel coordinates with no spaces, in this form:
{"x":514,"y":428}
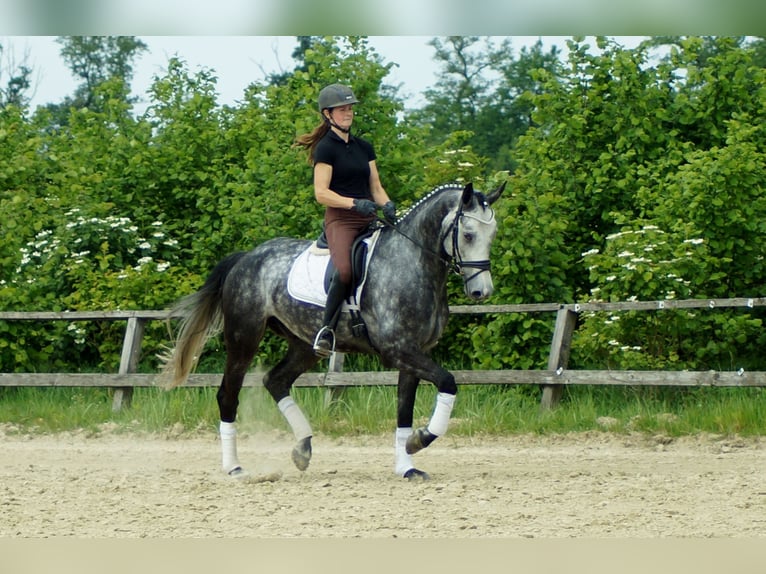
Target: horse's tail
{"x":201,"y":317}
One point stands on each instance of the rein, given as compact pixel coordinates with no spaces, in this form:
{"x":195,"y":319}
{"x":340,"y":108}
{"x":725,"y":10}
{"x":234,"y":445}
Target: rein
{"x":454,"y":262}
{"x":446,"y":260}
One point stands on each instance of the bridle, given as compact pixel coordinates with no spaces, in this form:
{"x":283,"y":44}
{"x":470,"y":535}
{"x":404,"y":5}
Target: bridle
{"x":454,"y":262}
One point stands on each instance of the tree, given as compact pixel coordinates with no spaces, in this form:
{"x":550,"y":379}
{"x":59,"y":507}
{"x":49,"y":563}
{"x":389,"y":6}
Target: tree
{"x":508,"y":111}
{"x":454,"y":102}
{"x":94,"y":60}
{"x":487,"y":91}
{"x":299,"y":55}
{"x":758,"y":45}
{"x":17,"y":84}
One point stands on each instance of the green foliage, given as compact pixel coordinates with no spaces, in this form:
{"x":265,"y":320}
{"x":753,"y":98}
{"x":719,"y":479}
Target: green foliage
{"x":107,"y":210}
{"x":658,"y":171}
{"x":633,"y":174}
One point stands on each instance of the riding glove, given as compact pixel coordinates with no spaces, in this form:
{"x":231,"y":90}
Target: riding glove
{"x":365,"y":206}
{"x":389,"y":212}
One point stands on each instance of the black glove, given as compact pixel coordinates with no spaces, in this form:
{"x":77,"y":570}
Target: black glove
{"x":365,"y":206}
{"x":389,"y":212}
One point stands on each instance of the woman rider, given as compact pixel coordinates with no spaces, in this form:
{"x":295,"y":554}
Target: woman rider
{"x":347,"y":183}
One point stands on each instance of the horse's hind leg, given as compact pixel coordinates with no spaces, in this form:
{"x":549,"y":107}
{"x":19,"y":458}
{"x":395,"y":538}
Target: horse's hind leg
{"x":239,"y":354}
{"x":278,"y":381}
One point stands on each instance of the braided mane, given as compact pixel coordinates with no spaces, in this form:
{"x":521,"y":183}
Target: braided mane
{"x":430,"y":195}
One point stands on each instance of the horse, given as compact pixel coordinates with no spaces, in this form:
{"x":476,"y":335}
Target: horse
{"x":404,"y":307}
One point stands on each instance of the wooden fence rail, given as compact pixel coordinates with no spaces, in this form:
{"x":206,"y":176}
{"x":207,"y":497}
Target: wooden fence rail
{"x":552,"y":380}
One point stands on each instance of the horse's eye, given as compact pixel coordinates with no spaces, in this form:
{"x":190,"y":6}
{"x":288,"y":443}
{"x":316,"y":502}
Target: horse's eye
{"x":468,"y":237}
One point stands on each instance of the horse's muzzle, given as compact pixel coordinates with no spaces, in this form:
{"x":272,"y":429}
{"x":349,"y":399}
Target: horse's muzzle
{"x":479,"y":286}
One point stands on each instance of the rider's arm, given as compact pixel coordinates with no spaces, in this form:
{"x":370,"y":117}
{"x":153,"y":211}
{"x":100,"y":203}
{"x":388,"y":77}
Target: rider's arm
{"x":379,"y":194}
{"x":322,"y":191}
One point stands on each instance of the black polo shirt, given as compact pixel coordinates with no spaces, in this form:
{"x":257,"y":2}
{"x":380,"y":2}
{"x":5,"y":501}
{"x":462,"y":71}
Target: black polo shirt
{"x":350,"y":164}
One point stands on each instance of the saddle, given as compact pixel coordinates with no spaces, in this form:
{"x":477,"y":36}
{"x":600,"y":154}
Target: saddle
{"x":311,"y":273}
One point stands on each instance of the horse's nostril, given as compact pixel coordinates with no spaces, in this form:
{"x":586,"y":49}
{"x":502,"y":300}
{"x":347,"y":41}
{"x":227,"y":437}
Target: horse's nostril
{"x":476,"y":294}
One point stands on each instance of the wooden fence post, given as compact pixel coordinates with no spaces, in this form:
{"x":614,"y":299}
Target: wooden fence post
{"x":131,"y":352}
{"x":332,"y":394}
{"x":561,"y":345}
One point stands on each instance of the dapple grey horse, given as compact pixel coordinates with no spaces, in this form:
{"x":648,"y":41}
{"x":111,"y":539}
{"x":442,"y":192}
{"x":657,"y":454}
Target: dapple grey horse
{"x":404,"y":306}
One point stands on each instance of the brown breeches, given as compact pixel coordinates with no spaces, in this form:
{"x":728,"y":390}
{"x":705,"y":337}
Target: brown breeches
{"x":341,"y":227}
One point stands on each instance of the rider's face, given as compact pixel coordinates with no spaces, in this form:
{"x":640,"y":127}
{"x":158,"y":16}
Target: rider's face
{"x":343,"y":115}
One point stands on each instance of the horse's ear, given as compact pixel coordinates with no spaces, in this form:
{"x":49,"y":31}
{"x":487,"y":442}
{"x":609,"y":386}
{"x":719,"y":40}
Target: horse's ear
{"x":494,"y":195}
{"x":467,"y":194}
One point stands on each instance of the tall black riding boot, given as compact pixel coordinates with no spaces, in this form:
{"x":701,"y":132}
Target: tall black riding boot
{"x":324,"y":343}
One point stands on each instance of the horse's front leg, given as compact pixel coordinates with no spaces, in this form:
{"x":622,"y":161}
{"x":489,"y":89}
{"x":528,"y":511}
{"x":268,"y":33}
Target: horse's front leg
{"x":406,"y":391}
{"x":423,"y":367}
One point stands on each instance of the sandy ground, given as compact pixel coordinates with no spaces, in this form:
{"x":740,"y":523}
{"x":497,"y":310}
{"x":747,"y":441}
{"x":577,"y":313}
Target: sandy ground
{"x":581,"y":485}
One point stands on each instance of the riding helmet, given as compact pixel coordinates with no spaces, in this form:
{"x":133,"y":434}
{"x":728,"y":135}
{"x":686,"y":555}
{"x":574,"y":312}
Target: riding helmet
{"x":336,"y":95}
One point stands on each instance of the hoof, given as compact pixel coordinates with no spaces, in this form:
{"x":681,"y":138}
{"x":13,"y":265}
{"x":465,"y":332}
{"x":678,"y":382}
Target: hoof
{"x":418,"y":440}
{"x":415,"y":474}
{"x":239,"y":473}
{"x":302,"y":454}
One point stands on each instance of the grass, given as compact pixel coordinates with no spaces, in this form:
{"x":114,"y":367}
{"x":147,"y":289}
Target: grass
{"x":479,"y":410}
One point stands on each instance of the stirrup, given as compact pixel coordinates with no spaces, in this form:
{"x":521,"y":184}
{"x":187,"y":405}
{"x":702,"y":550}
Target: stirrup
{"x":324,"y":343}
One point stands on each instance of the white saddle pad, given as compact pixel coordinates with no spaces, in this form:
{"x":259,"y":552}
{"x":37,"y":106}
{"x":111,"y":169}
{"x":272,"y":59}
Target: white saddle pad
{"x":306,"y":279}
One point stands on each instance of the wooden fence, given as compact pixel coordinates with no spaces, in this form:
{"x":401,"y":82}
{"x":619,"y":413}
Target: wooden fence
{"x":552,"y":380}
